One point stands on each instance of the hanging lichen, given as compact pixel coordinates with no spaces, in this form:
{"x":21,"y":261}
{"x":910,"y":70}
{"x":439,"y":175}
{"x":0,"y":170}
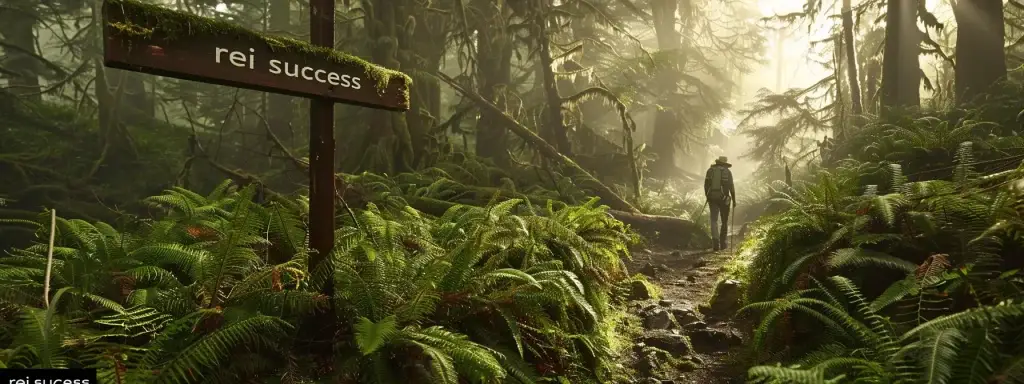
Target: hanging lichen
{"x":172,"y":25}
{"x":628,"y":125}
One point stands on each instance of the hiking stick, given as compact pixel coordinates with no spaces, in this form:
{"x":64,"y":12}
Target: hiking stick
{"x":702,"y":208}
{"x":732,"y":227}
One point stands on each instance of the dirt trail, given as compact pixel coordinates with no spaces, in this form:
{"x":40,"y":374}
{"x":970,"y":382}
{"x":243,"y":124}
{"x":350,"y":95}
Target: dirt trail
{"x":687,"y":280}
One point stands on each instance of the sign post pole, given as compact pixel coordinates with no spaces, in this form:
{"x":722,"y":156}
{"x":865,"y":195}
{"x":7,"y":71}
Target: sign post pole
{"x":321,"y":145}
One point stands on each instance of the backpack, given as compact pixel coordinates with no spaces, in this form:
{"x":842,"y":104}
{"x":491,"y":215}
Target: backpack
{"x":717,"y":192}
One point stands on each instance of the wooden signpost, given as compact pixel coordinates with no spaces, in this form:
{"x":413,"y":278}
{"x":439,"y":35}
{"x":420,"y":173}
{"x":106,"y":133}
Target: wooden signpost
{"x":145,"y":38}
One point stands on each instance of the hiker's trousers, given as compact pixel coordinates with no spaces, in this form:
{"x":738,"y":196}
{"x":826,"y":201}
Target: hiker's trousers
{"x":719,"y":210}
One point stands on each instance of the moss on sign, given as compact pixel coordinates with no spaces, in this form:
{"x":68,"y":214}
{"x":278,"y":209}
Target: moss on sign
{"x":172,"y":24}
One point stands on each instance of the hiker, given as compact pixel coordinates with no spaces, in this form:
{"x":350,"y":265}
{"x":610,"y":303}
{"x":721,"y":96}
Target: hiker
{"x":719,"y":190}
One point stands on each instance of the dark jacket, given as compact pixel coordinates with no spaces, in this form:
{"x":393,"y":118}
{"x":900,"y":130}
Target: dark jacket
{"x":727,"y":185}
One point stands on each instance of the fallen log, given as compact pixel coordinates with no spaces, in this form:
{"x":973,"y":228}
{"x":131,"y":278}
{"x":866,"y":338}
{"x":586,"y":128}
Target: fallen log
{"x":663,"y":231}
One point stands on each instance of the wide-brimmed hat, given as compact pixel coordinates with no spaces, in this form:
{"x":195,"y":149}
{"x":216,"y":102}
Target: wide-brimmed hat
{"x":723,"y":160}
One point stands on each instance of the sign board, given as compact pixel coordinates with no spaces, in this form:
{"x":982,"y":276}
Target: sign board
{"x":150,"y":39}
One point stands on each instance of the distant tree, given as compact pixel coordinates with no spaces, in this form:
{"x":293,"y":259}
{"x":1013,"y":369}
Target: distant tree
{"x":20,"y":65}
{"x":667,"y":123}
{"x":850,"y":51}
{"x":901,"y":70}
{"x":494,"y":49}
{"x":280,"y":107}
{"x":980,"y":58}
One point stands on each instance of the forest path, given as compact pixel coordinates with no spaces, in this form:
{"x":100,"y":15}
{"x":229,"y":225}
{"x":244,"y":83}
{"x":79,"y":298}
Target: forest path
{"x":687,"y":281}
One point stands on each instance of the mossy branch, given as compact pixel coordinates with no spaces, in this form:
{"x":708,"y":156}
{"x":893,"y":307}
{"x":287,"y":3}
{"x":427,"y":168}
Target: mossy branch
{"x":628,"y":125}
{"x":606,"y":194}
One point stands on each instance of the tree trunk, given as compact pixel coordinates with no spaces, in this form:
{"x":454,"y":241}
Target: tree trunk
{"x":980,"y":59}
{"x":851,"y":59}
{"x":17,"y":29}
{"x":253,"y":103}
{"x":389,"y":132}
{"x":138,"y":103}
{"x":494,"y":75}
{"x":667,"y":125}
{"x":423,"y":35}
{"x":280,"y":110}
{"x":105,"y":99}
{"x":585,"y":31}
{"x":554,"y":123}
{"x":873,"y":73}
{"x":901,"y":71}
{"x":780,"y":59}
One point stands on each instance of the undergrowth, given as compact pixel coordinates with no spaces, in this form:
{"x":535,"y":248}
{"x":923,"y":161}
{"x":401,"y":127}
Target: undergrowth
{"x":217,"y":289}
{"x":886,"y":276}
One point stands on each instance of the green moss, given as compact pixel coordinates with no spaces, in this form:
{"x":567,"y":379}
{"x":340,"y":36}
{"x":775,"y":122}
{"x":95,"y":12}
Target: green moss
{"x":618,"y":329}
{"x":174,"y":25}
{"x":682,"y":365}
{"x":654,"y":289}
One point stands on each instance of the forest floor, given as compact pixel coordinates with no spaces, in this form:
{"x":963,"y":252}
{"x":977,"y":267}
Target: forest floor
{"x":687,"y":281}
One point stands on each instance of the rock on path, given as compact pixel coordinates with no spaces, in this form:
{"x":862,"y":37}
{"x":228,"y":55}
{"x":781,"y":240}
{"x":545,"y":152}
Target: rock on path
{"x":687,"y":280}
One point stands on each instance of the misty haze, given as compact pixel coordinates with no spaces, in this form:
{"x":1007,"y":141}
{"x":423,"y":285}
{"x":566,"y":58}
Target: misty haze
{"x":512,"y":191}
